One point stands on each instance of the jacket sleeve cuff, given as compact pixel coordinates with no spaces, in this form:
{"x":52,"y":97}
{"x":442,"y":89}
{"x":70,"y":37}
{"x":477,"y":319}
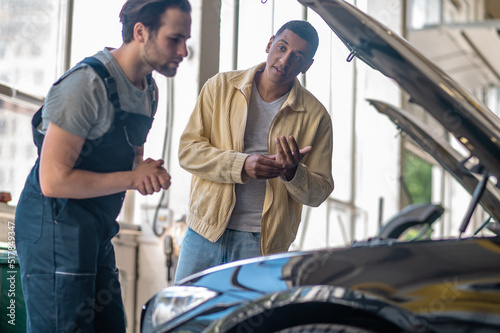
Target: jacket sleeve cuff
{"x":237,"y":169}
{"x":297,"y":180}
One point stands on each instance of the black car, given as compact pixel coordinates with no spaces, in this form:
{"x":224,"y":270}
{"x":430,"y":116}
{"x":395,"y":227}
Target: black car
{"x":380,"y":285}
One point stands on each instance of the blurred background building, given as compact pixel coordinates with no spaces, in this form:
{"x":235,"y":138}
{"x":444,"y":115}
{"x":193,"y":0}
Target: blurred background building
{"x":377,"y":170}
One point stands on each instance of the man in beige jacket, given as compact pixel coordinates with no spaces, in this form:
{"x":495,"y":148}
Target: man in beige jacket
{"x":242,"y":145}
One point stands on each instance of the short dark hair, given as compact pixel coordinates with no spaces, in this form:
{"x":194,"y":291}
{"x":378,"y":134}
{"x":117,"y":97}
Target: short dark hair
{"x":304,"y":30}
{"x":148,"y":12}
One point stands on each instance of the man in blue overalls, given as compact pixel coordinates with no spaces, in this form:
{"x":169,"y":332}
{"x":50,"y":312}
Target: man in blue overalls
{"x":90,"y":135}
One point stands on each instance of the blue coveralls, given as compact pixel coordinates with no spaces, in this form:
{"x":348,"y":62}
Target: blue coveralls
{"x":67,"y":261}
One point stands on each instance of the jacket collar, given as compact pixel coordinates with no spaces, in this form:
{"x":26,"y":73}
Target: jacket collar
{"x":243,"y":82}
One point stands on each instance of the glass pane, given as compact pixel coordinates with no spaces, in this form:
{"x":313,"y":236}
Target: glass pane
{"x":227,"y":35}
{"x":30,"y":37}
{"x":425,"y":12}
{"x":88,"y":39}
{"x":417,"y":178}
{"x":17,"y":151}
{"x":253,"y":42}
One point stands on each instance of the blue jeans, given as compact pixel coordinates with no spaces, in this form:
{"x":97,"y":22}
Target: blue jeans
{"x":197,"y":253}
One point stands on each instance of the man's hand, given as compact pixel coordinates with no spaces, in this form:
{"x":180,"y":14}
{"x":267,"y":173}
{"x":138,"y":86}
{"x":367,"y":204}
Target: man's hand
{"x":263,"y":167}
{"x":289,"y":154}
{"x":150,"y":177}
{"x":284,"y":163}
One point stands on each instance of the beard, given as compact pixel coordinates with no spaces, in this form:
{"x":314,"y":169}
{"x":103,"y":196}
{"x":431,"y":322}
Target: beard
{"x":166,"y":70}
{"x":160,"y":63}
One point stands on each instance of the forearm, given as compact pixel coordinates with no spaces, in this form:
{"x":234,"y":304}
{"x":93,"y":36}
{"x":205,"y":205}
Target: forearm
{"x":309,"y":188}
{"x":312,"y":182}
{"x":139,"y":156}
{"x":201,"y":158}
{"x":59,"y":178}
{"x":210,"y":146}
{"x":210,"y":163}
{"x":82,"y":184}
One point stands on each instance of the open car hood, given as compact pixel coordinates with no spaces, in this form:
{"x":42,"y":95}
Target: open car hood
{"x":472,"y":123}
{"x":449,"y":158}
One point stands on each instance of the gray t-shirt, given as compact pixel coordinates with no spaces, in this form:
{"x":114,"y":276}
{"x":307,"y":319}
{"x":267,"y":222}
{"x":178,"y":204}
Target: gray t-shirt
{"x":79,"y":103}
{"x":247,"y":213}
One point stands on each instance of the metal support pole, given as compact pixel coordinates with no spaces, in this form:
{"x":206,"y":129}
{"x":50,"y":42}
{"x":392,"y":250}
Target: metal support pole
{"x":236,"y":24}
{"x":69,"y":34}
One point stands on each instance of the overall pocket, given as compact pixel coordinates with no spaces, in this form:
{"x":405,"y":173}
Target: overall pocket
{"x":29,"y":215}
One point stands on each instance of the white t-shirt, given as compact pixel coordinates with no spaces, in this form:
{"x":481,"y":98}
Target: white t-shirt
{"x":247,"y":212}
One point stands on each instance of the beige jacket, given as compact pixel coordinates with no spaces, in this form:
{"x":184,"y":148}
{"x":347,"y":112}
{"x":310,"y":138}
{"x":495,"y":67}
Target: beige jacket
{"x":211,"y":149}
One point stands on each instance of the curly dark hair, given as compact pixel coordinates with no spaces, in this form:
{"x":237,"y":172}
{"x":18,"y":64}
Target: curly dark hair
{"x":148,"y":12}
